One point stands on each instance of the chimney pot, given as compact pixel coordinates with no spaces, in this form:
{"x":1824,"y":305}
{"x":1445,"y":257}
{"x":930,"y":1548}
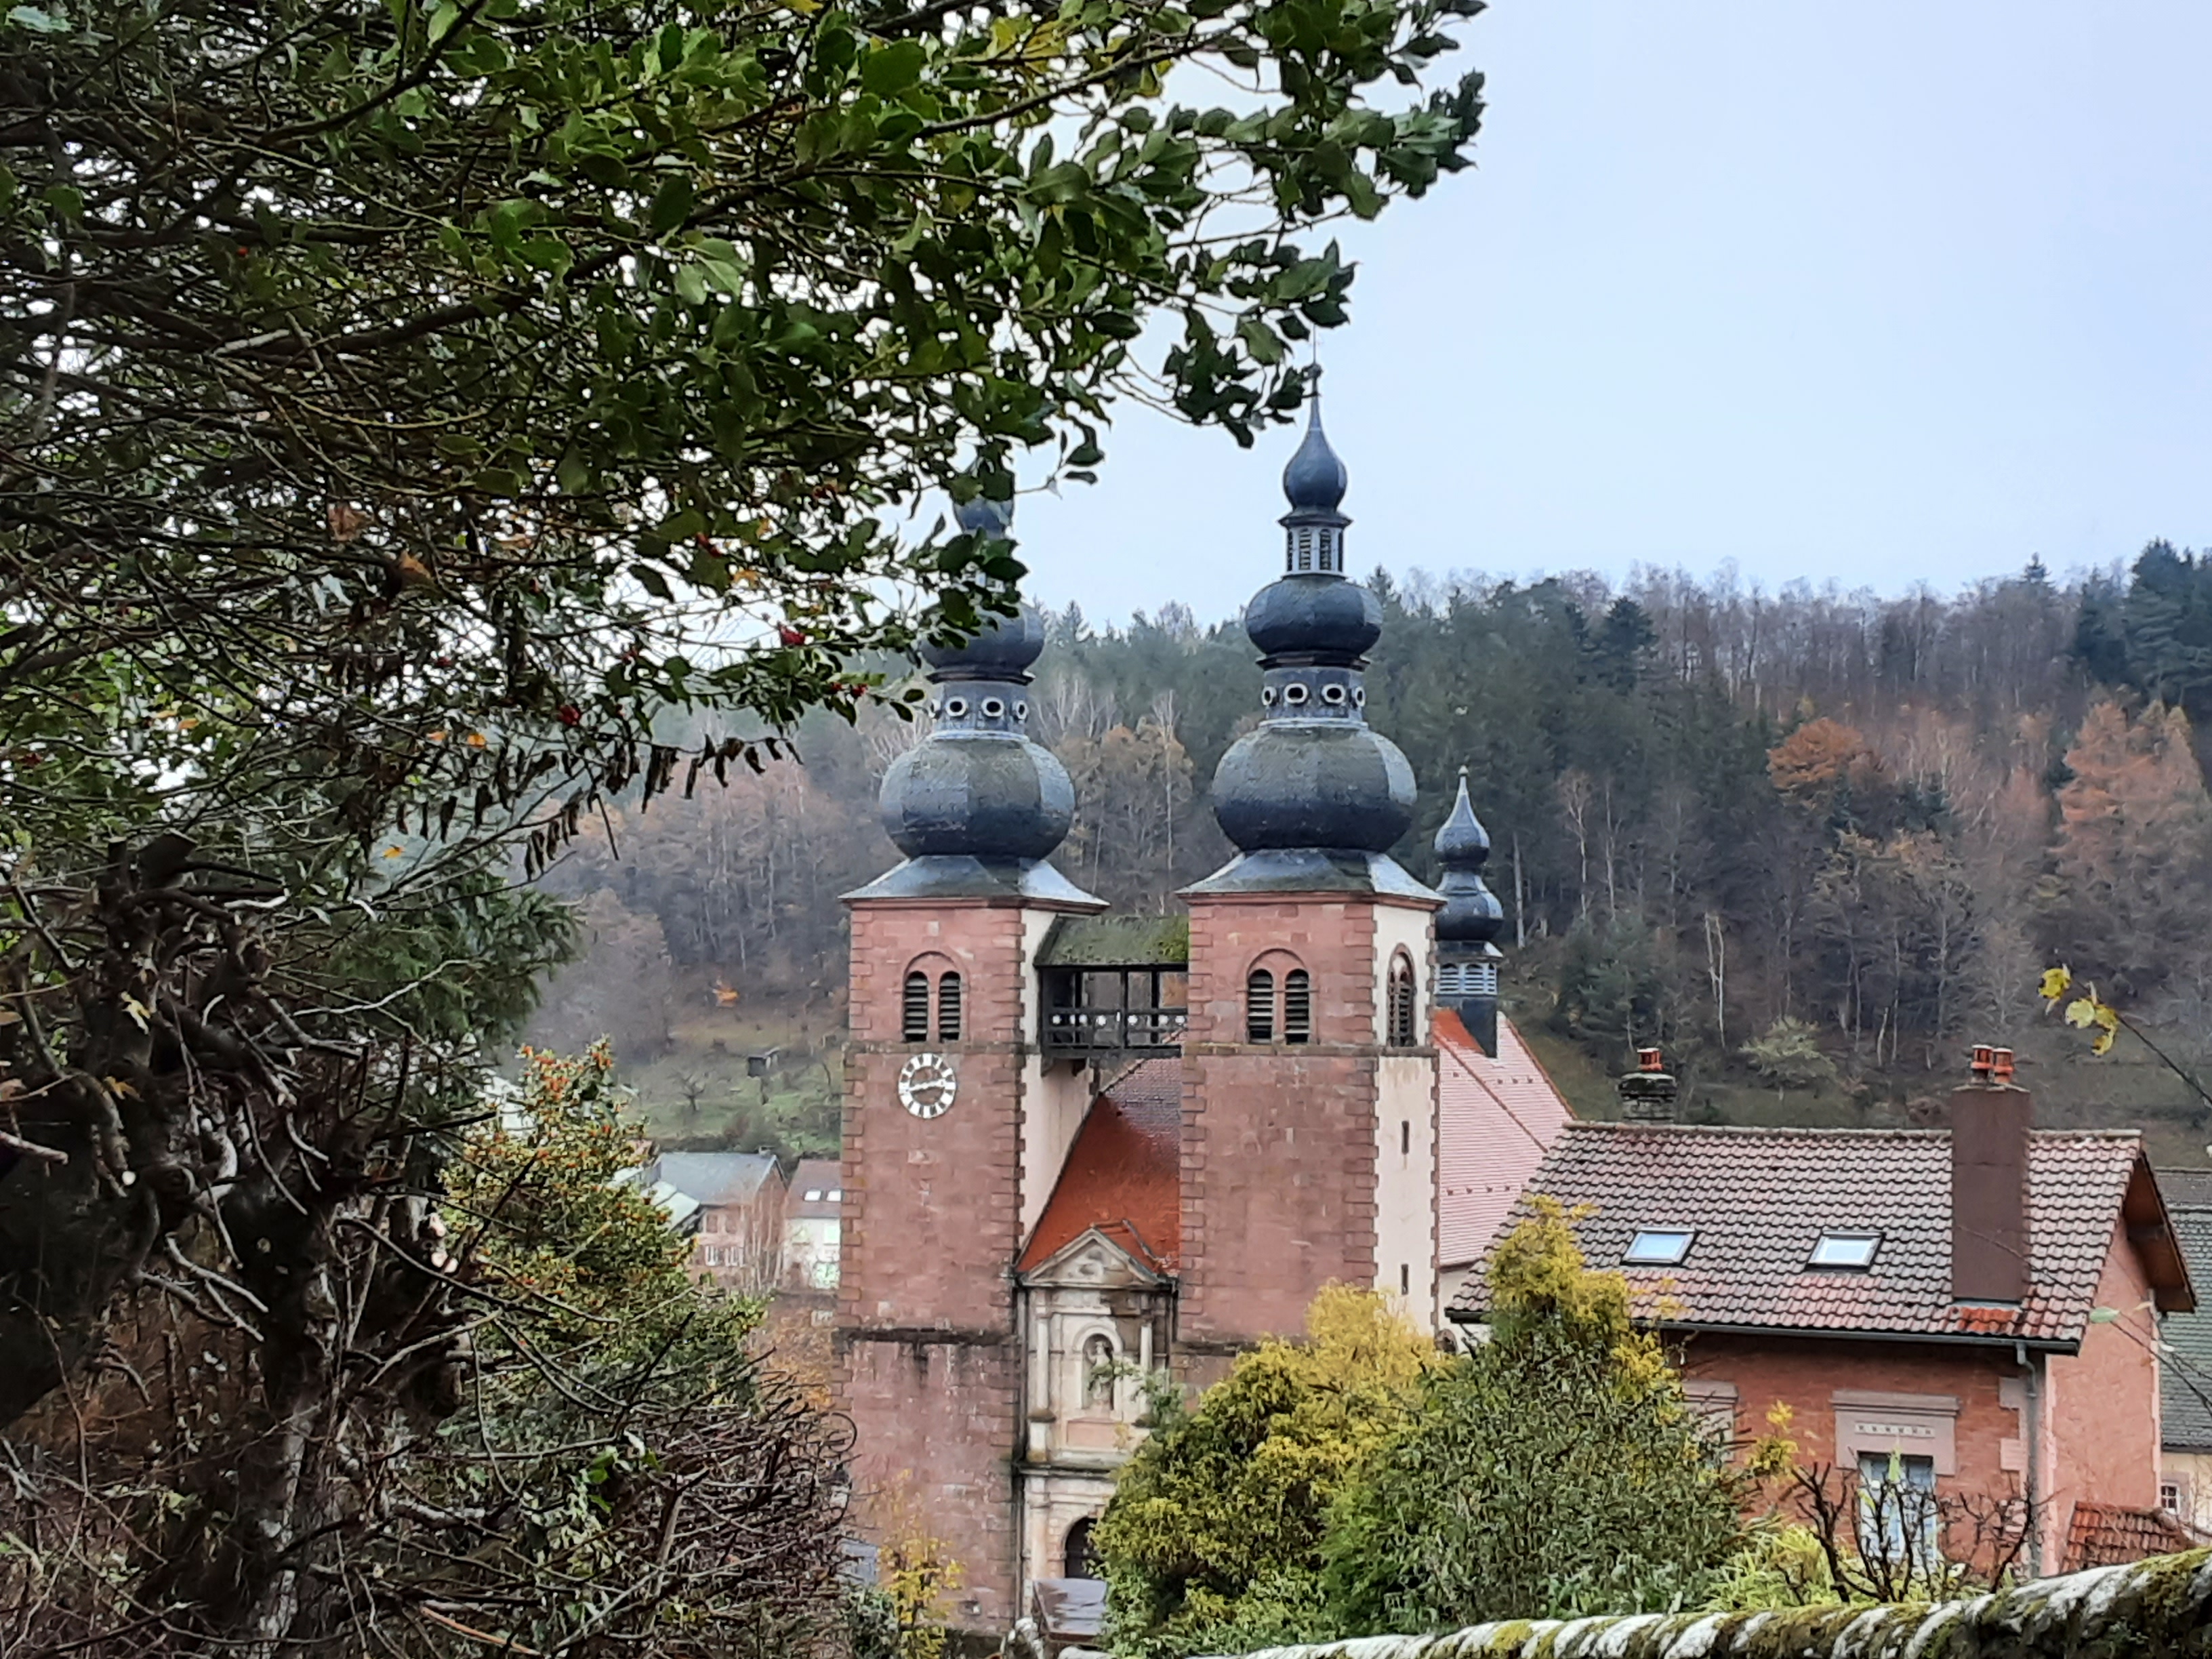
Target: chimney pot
{"x":1984,"y":1062}
{"x":1650,"y":1059}
{"x":2000,"y":1064}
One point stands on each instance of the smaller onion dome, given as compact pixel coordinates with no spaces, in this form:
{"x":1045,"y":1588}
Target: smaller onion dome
{"x":982,"y":516}
{"x":1315,"y":478}
{"x":1472,"y":914}
{"x":1004,"y":649}
{"x":1314,"y":619}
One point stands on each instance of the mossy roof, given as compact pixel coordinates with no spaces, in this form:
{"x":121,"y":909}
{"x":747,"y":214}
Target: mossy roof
{"x":1118,"y":941}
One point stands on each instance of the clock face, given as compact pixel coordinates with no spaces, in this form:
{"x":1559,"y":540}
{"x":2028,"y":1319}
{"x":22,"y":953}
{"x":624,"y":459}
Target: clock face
{"x":926,"y":1085}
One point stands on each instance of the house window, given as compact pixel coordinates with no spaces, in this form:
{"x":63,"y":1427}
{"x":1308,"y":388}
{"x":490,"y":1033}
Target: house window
{"x":914,"y":1023}
{"x":1657,"y":1247}
{"x":1846,"y":1252}
{"x":1297,"y":1006}
{"x":1402,"y":1001}
{"x":1713,"y":1405}
{"x":1098,"y":1372}
{"x":1899,"y":1520}
{"x":2169,"y":1497}
{"x":1260,"y":1007}
{"x":1405,"y":1137}
{"x":1406,"y":1279}
{"x":948,"y":1008}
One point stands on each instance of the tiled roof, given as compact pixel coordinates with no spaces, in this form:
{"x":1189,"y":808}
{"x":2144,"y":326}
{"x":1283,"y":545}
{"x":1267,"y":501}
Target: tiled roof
{"x":817,"y":1190}
{"x":1123,"y":1175}
{"x":2106,"y":1535}
{"x":2184,"y":1373}
{"x":1495,"y":1120}
{"x":1757,"y":1199}
{"x":710,"y":1178}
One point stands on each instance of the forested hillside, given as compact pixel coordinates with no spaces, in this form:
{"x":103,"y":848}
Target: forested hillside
{"x":1812,"y":842}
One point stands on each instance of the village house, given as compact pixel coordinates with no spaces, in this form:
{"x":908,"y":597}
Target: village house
{"x":2184,"y":1472}
{"x":1087,"y":1154}
{"x":731,"y":1204}
{"x":812,"y":1218}
{"x":1972,"y":1313}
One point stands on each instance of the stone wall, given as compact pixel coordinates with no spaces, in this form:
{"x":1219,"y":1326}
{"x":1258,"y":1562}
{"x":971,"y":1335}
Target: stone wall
{"x":2150,"y":1610}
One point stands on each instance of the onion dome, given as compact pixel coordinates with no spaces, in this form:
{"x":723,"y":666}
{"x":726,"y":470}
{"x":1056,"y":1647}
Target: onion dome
{"x":977,"y":785}
{"x":1313,"y":797}
{"x":1472,"y":914}
{"x":976,"y":806}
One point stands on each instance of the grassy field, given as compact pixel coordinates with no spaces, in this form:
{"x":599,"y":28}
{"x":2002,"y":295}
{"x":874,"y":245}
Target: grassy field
{"x":699,"y":1094}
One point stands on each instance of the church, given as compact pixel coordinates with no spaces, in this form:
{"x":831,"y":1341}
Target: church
{"x":1084,"y":1152}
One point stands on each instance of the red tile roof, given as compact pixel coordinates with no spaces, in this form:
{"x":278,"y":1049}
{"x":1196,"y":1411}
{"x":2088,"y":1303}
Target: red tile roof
{"x":817,"y":1190}
{"x":1757,"y":1199}
{"x":2106,"y":1535}
{"x":1495,"y":1120}
{"x":1123,"y":1175}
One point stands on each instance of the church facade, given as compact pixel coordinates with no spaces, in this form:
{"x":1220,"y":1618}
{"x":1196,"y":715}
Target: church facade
{"x":1090,"y":1156}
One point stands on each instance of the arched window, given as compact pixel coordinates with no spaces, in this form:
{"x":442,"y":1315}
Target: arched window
{"x":1260,"y":1007}
{"x":1076,"y":1560}
{"x":1297,"y":1006}
{"x":914,"y":1021}
{"x":1402,"y":1001}
{"x":1098,"y":1371}
{"x":948,"y":1008}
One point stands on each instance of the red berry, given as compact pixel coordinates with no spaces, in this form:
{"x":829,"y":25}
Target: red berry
{"x":791,"y":636}
{"x":568,"y":713}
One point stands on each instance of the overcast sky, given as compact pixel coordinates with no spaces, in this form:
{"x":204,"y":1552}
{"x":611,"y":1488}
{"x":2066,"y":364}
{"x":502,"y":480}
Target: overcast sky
{"x":1903,"y":291}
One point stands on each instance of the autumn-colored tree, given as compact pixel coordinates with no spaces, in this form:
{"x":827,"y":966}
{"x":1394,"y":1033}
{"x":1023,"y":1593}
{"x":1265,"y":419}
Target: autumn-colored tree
{"x":2131,"y":868}
{"x":1811,"y":762}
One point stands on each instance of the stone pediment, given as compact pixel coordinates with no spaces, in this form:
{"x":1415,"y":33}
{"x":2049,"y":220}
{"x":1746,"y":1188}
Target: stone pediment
{"x":1096,"y":1259}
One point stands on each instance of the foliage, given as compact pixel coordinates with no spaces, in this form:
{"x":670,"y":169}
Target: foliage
{"x":1555,"y":1468}
{"x":425,"y":423}
{"x":1780,"y":1565}
{"x":1211,"y":1540}
{"x":621,"y":1470}
{"x":1789,"y":1055}
{"x":916,"y":1568}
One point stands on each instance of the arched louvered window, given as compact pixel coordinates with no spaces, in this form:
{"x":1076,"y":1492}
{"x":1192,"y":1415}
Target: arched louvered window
{"x":913,"y":1013}
{"x":948,"y":1008}
{"x":1260,"y":1007}
{"x":1402,"y":1001}
{"x":1297,"y":1006}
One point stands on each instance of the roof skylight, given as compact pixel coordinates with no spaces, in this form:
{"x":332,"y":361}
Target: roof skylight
{"x":813,"y":1194}
{"x":1850,"y":1252}
{"x":1657,"y":1247}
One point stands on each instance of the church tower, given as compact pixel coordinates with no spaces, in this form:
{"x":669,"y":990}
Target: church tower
{"x":1468,"y":925}
{"x":950,"y":1114}
{"x":1309,"y":1078}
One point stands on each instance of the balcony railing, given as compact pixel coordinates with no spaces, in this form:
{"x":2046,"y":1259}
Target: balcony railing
{"x":1070,"y":1031}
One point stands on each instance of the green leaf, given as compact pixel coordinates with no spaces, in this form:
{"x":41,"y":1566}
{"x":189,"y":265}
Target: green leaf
{"x":890,"y":70}
{"x":1259,"y":340}
{"x":672,"y":203}
{"x":39,"y":21}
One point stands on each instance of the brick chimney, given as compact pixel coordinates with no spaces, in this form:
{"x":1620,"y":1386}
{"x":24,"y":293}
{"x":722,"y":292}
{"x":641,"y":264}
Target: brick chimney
{"x":1990,"y":1121}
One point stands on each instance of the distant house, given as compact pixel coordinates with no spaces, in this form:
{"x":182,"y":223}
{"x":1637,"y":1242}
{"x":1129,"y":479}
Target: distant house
{"x":814,"y":1214}
{"x":2186,"y":1383}
{"x":1974,"y":1312}
{"x":733,"y":1204}
{"x":1496,"y":1115}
